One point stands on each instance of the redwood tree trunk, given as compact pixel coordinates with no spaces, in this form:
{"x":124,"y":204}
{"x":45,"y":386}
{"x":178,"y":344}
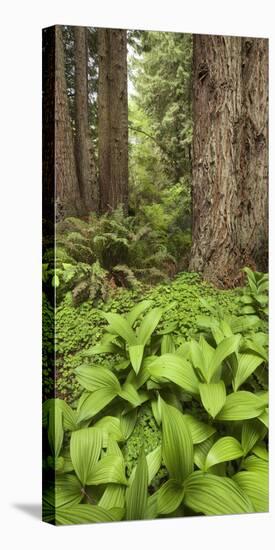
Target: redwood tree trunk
{"x":68,"y":199}
{"x":229,"y":189}
{"x":85,"y":161}
{"x":112,"y":119}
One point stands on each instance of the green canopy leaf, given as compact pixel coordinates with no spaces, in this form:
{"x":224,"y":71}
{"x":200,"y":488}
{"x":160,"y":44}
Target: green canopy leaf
{"x":175,"y":369}
{"x":247,"y":363}
{"x":95,"y":378}
{"x":255,"y":486}
{"x":214,"y":495}
{"x":136,"y":356}
{"x":252,"y":431}
{"x":87,"y":513}
{"x":241,"y":405}
{"x":137,"y":493}
{"x":85,"y":448}
{"x":148,"y":325}
{"x":94,"y":403}
{"x":199,"y":430}
{"x":120,"y":326}
{"x":169,"y":497}
{"x":110,"y":469}
{"x":137,"y":310}
{"x":213,"y":397}
{"x":177,"y":445}
{"x":226,"y":448}
{"x":223,"y":350}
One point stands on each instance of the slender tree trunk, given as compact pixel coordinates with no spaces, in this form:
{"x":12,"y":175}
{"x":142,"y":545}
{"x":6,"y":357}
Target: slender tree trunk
{"x":85,"y":161}
{"x":225,"y":231}
{"x":68,"y":199}
{"x":113,"y":119}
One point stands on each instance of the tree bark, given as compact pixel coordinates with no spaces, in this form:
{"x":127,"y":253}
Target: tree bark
{"x":229,"y":173}
{"x":68,"y":199}
{"x":85,"y":161}
{"x":113,"y":119}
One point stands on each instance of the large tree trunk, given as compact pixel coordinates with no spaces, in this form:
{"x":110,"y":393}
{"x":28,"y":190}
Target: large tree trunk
{"x":68,"y":199}
{"x":229,"y":188}
{"x":85,"y":161}
{"x":112,"y":119}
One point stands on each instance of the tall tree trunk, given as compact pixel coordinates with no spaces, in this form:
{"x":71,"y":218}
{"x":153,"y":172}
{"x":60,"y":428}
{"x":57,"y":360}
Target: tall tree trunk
{"x":112,"y":119}
{"x":68,"y":199}
{"x":85,"y":161}
{"x":225,"y":230}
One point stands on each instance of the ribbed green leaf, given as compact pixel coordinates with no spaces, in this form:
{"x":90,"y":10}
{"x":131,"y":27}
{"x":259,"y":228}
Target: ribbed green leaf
{"x":252,"y":431}
{"x":87,"y":513}
{"x":253,"y":463}
{"x":247,"y":363}
{"x":148,"y":325}
{"x":110,"y":427}
{"x":200,"y":452}
{"x":128,"y":422}
{"x":153,"y":463}
{"x":255,"y":486}
{"x":213,"y":397}
{"x":95,"y":378}
{"x":95,"y":402}
{"x":199,"y":430}
{"x":119,"y":325}
{"x":55,"y":426}
{"x":167,"y":344}
{"x":66,"y":491}
{"x":222,"y":351}
{"x":264,"y":417}
{"x":69,"y":417}
{"x":244,"y":323}
{"x":137,"y":493}
{"x":108,"y":347}
{"x":137,"y":310}
{"x":169,"y":497}
{"x":85,"y":447}
{"x":260,"y":451}
{"x":240,"y":405}
{"x":110,"y":469}
{"x":175,"y":369}
{"x":136,"y":356}
{"x":129,"y":393}
{"x":198,"y":358}
{"x":113,"y":497}
{"x":213,"y":495}
{"x":177,"y":445}
{"x":226,"y":448}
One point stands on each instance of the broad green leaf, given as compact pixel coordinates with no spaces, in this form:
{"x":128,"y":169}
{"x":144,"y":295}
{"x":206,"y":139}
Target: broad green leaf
{"x":55,"y":426}
{"x":137,"y":493}
{"x":199,"y":430}
{"x":128,"y":422}
{"x":264,"y":417}
{"x":148,"y":325}
{"x":110,"y":469}
{"x":153,"y":463}
{"x":226,"y":448}
{"x":253,"y":463}
{"x":175,"y":369}
{"x":167,"y":344}
{"x":66,"y":491}
{"x":107,"y":347}
{"x":200,"y":452}
{"x":129,"y":393}
{"x":214,"y":495}
{"x":156,"y":411}
{"x":255,"y":486}
{"x":198,"y":358}
{"x":247,"y":363}
{"x":241,"y":405}
{"x":137,"y":310}
{"x":87,"y":513}
{"x":177,"y":445}
{"x":260,"y":451}
{"x":85,"y":448}
{"x":213,"y":397}
{"x":256,"y":347}
{"x":222,"y":351}
{"x":243,"y":323}
{"x":95,"y":378}
{"x":119,"y":325}
{"x":113,"y":497}
{"x":252,"y":431}
{"x":110,"y":427}
{"x":169,"y":497}
{"x":95,"y":402}
{"x":136,"y":356}
{"x":69,"y":417}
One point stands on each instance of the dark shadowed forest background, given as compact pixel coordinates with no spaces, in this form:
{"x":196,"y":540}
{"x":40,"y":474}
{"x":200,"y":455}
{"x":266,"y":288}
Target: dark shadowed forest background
{"x":155,"y":215}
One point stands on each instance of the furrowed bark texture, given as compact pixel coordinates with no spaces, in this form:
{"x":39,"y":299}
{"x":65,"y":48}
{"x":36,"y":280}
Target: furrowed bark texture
{"x":113,"y":119}
{"x":229,"y":194}
{"x":68,"y":199}
{"x":85,"y":161}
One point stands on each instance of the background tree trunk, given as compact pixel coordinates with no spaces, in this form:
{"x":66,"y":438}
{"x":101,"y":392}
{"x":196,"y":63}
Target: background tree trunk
{"x":225,"y":200}
{"x":68,"y":199}
{"x":113,"y":119}
{"x":85,"y":161}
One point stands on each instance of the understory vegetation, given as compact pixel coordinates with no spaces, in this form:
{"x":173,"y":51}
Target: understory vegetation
{"x":161,"y":401}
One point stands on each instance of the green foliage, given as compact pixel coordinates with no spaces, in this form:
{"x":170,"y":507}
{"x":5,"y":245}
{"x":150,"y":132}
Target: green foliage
{"x":255,"y":295}
{"x":162,"y":424}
